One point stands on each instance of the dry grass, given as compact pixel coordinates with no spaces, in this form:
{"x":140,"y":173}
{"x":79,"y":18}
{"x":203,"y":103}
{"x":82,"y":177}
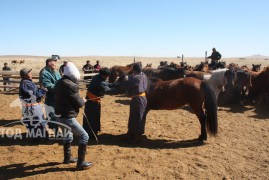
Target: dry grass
{"x":38,"y":62}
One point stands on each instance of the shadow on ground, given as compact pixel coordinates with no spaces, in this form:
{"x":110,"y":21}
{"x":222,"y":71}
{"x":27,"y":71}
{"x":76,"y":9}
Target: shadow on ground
{"x":21,"y":170}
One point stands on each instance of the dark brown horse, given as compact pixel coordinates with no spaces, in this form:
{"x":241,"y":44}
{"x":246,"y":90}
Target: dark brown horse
{"x":259,"y":87}
{"x":170,"y":95}
{"x":256,"y":67}
{"x":117,"y":71}
{"x":201,"y":66}
{"x":166,"y":73}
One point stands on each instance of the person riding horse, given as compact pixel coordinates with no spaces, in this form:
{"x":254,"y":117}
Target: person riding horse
{"x":215,"y":57}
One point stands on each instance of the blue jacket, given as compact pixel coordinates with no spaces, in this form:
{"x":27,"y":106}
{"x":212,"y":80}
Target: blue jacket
{"x":49,"y":79}
{"x":29,"y":92}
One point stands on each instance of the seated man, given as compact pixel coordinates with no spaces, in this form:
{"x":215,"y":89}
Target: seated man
{"x":97,"y":66}
{"x":87,"y":68}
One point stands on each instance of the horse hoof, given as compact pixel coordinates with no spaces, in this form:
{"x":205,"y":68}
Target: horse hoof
{"x":201,"y":138}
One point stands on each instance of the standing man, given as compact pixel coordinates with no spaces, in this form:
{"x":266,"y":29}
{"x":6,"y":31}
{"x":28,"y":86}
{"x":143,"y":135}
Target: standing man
{"x":49,"y":77}
{"x":97,"y":66}
{"x":96,"y":89}
{"x":67,"y":104}
{"x":215,"y":57}
{"x":6,"y":78}
{"x":31,"y":96}
{"x":61,"y":69}
{"x":136,"y":88}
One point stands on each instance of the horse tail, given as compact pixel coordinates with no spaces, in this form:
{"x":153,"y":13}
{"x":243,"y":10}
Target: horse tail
{"x":210,"y":108}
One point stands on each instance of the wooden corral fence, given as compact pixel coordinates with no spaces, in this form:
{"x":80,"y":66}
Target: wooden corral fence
{"x":14,"y":80}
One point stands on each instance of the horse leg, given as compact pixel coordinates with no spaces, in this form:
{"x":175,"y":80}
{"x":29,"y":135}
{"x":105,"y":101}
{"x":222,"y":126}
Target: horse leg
{"x":199,"y":112}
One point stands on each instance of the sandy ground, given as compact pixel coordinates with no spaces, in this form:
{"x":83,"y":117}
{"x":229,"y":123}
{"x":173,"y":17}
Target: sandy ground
{"x":170,"y":151}
{"x":239,"y":151}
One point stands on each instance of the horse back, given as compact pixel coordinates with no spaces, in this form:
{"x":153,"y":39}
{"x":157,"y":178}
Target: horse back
{"x":174,"y":93}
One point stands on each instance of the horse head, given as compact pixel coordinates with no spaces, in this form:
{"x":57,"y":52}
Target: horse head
{"x":256,"y":67}
{"x":149,"y":65}
{"x":113,"y":74}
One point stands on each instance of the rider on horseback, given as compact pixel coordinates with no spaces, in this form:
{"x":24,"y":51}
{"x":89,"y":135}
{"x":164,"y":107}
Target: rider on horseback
{"x":215,"y":57}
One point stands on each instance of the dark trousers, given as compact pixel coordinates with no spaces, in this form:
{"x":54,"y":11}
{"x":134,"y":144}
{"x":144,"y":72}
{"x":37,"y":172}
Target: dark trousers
{"x":6,"y":82}
{"x":93,"y":113}
{"x":136,"y":124}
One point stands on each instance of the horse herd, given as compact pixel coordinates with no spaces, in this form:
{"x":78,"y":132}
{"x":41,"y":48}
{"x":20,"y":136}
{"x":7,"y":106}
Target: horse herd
{"x":201,"y":87}
{"x":18,"y":62}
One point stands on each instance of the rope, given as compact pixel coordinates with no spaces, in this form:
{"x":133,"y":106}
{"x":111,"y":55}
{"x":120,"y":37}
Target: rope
{"x":91,"y":128}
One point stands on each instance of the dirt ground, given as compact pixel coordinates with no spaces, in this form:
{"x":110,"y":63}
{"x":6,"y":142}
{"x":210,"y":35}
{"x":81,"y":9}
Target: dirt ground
{"x":239,"y":151}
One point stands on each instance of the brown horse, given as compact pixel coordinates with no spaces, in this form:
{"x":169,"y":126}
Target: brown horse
{"x":170,"y":95}
{"x":259,"y":87}
{"x":165,"y":73}
{"x":117,"y":71}
{"x":15,"y":62}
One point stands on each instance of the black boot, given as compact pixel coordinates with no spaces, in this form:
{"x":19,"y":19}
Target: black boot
{"x":81,"y":165}
{"x":67,"y":154}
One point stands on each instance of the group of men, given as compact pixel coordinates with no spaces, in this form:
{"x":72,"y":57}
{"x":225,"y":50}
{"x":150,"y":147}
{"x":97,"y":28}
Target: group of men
{"x":62,"y":99}
{"x":62,"y":102}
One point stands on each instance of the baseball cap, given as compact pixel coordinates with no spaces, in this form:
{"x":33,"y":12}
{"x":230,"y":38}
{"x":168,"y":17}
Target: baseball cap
{"x":24,"y":72}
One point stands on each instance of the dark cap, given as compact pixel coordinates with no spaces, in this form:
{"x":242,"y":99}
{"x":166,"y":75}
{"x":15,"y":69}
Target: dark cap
{"x":104,"y":72}
{"x":24,"y":72}
{"x":51,"y":59}
{"x":137,"y":68}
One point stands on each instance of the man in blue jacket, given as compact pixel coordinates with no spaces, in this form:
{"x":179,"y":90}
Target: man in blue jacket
{"x":49,"y":78}
{"x":30,"y":97}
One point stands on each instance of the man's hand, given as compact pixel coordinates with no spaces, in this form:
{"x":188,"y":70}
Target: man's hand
{"x":84,"y":99}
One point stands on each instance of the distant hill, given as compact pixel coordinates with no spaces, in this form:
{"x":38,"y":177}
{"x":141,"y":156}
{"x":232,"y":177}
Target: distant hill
{"x":257,"y":56}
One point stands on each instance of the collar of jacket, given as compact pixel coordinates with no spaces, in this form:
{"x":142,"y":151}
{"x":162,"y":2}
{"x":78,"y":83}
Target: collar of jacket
{"x":70,"y":78}
{"x":25,"y":79}
{"x":48,"y":69}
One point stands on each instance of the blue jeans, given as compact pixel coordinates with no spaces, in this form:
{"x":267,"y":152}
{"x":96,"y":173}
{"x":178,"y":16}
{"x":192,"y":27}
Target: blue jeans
{"x":70,"y":126}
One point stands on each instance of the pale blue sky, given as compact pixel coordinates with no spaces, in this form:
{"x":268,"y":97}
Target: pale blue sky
{"x":134,"y":27}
